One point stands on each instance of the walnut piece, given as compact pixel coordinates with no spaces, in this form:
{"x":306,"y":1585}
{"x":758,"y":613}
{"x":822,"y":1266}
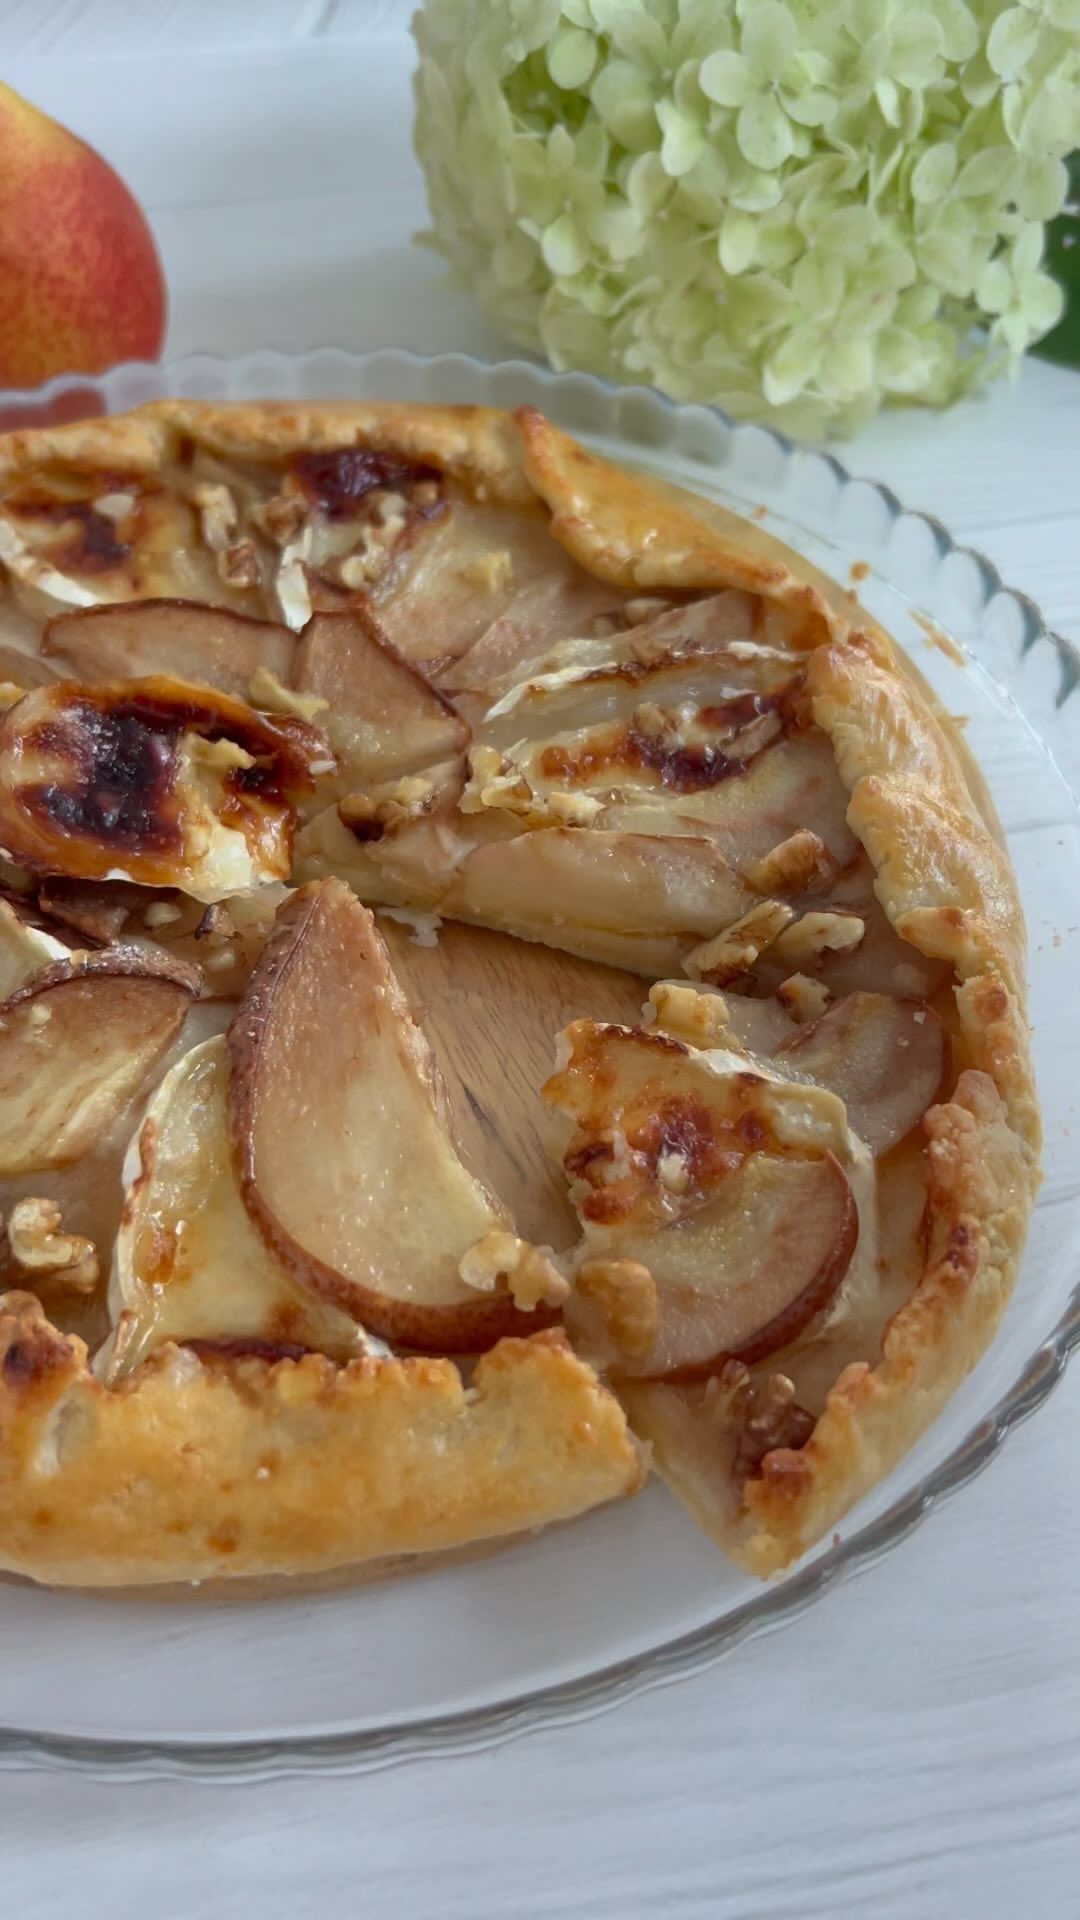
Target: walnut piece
{"x":735,"y":950}
{"x":530,"y":1272}
{"x":764,"y":1413}
{"x":42,"y":1250}
{"x":281,"y":517}
{"x":238,"y":565}
{"x":574,"y":809}
{"x":161,"y":913}
{"x":689,"y":1014}
{"x":218,"y":517}
{"x":817,"y":933}
{"x":795,"y":865}
{"x":803,"y":998}
{"x":623,"y":1292}
{"x":644,"y":607}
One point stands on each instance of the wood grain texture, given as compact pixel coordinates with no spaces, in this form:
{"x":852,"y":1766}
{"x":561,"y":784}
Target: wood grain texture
{"x":475,"y":989}
{"x":909,"y":1748}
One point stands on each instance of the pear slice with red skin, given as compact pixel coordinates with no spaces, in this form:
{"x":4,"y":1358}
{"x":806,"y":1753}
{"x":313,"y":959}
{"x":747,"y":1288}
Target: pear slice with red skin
{"x":76,"y":1044}
{"x":341,"y":1148}
{"x":742,"y":1276}
{"x":187,"y":638}
{"x":884,"y":1058}
{"x":383,"y":717}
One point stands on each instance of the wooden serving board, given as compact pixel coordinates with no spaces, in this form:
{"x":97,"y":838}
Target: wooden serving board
{"x":492,"y":1007}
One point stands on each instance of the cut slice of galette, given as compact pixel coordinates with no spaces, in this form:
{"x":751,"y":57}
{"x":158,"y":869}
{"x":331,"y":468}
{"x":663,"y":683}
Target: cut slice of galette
{"x":505,"y":977}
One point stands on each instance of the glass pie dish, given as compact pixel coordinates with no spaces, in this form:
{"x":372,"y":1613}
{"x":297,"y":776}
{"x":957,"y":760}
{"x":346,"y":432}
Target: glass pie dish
{"x":576,"y":1619}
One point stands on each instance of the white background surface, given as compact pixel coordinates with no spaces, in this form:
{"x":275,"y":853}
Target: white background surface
{"x":911,"y":1747}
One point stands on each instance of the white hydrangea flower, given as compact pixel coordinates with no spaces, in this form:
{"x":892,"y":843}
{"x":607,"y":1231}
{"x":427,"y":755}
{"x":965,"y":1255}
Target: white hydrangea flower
{"x":792,"y":208}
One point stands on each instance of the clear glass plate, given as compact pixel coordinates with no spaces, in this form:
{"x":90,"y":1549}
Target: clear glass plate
{"x":633,"y":1596}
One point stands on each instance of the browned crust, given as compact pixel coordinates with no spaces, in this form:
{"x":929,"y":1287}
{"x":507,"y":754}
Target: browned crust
{"x":192,"y":1472}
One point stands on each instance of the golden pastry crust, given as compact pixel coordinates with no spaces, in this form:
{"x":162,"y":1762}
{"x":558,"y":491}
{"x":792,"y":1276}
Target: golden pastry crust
{"x":88,"y":1484}
{"x":195,"y":1469}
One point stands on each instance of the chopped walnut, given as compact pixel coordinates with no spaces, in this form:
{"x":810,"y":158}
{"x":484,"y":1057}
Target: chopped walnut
{"x":654,"y":723}
{"x":804,"y":999}
{"x":387,"y":805}
{"x":220,"y":961}
{"x":797,"y":864}
{"x":414,"y":792}
{"x":764,"y":1412}
{"x":645,"y":607}
{"x":689,"y":1014}
{"x":623,"y":1293}
{"x":359,"y":569}
{"x":494,"y":781}
{"x":818,"y":933}
{"x":218,"y":517}
{"x":385,"y":507}
{"x":41,"y":1249}
{"x":266,"y":692}
{"x":574,"y":809}
{"x":735,"y":950}
{"x":491,"y":571}
{"x":161,"y":913}
{"x":281,"y":517}
{"x":530,"y":1272}
{"x":238,"y":565}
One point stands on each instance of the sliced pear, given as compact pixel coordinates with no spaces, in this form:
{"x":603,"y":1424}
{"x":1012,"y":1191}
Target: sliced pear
{"x":884,"y":1058}
{"x":343,"y":1154}
{"x":188,"y":1263}
{"x":742,"y":1276}
{"x":214,"y":646}
{"x":579,"y":889}
{"x":156,"y":781}
{"x":729,"y":1188}
{"x":383,"y":719}
{"x":476,"y":564}
{"x":728,"y":687}
{"x":76,"y":1044}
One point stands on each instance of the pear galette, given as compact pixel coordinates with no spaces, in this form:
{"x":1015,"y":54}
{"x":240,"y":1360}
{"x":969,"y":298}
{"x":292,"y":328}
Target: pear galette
{"x":505,"y":979}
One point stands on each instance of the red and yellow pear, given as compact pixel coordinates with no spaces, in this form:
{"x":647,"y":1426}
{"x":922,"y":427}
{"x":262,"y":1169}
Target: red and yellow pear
{"x":81,"y":285}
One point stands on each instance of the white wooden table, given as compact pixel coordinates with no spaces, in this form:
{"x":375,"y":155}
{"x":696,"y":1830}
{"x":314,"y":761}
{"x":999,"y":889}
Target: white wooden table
{"x":911,"y":1747}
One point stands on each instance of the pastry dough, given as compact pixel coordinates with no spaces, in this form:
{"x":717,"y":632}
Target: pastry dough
{"x":536,"y":693}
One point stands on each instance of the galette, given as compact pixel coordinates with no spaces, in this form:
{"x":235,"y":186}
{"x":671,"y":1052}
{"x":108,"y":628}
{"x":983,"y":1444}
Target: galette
{"x":508,"y":981}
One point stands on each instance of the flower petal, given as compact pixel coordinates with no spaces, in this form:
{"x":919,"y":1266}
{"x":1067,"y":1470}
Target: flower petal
{"x":563,"y":247}
{"x":684,"y":139}
{"x":769,"y":38}
{"x":763,"y":131}
{"x":571,"y":57}
{"x":727,"y":78}
{"x":792,"y":365}
{"x":1013,"y":39}
{"x":934,"y":173}
{"x":737,"y":245}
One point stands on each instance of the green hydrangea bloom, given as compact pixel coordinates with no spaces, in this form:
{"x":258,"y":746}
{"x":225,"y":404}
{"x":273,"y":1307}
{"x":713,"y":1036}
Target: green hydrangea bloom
{"x":797,"y":209}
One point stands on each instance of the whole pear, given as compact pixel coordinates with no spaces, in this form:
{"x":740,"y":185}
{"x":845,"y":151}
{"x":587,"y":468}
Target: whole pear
{"x":81,"y":285}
